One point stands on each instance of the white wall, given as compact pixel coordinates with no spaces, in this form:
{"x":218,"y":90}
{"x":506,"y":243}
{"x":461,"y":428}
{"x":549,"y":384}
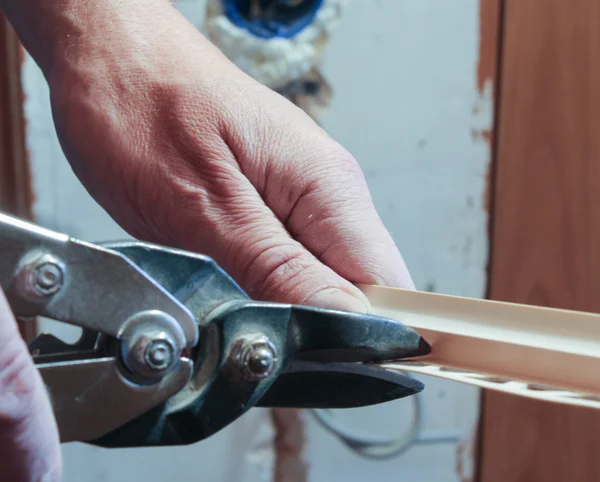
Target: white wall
{"x":406,"y":111}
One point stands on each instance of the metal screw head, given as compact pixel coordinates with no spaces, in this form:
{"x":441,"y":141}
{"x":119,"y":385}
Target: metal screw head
{"x":48,"y":278}
{"x":152,"y":342}
{"x":258,"y":358}
{"x":40,"y":276}
{"x":150,"y":353}
{"x":159,"y":353}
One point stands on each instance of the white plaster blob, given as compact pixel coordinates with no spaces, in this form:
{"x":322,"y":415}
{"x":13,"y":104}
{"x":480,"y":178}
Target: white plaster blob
{"x":278,"y":61}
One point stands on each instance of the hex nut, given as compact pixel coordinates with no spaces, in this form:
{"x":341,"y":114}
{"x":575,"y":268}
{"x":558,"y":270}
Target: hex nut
{"x":257,"y":358}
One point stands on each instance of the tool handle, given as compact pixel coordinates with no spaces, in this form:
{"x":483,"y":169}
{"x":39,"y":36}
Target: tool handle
{"x":45,"y":273}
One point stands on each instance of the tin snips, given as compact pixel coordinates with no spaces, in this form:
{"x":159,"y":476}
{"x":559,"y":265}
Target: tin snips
{"x":172,"y":350}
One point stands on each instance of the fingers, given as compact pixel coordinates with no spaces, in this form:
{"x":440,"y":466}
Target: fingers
{"x":272,"y":266}
{"x":334,"y":217}
{"x":319,"y":191}
{"x":286,"y":212}
{"x":212,"y":208}
{"x":29,"y":445}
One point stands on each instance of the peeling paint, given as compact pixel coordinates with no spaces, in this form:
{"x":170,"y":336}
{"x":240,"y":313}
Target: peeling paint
{"x":487,"y":73}
{"x":489,"y":28}
{"x":466,"y":456}
{"x":482,"y":131}
{"x":482,"y":134}
{"x":483,"y":114}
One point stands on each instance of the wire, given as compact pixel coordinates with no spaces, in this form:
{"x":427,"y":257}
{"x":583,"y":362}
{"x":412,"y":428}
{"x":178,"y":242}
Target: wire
{"x":383,"y":448}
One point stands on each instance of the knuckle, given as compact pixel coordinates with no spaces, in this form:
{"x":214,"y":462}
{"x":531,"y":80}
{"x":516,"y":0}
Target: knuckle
{"x":339,"y":177}
{"x":279,"y":273}
{"x":190,"y":197}
{"x":341,"y":161}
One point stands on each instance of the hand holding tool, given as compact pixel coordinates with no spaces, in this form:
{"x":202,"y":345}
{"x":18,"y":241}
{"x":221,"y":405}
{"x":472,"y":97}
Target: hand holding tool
{"x":172,"y":349}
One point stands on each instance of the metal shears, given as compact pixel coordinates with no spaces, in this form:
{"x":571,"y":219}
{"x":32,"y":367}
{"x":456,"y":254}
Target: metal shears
{"x":172,"y":350}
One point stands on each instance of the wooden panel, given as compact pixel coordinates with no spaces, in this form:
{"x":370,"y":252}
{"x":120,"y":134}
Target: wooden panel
{"x":15,"y":185}
{"x":546,"y":225}
{"x":15,"y":182}
{"x":488,"y":72}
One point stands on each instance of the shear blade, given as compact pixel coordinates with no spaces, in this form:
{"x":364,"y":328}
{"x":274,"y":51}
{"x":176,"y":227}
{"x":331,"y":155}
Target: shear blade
{"x":309,"y":384}
{"x":338,"y":336}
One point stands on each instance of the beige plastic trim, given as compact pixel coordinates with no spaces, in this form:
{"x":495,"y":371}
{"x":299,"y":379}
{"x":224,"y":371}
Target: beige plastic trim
{"x":540,"y":353}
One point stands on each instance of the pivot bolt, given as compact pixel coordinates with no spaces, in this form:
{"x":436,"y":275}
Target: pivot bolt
{"x":159,"y":353}
{"x":41,"y":276}
{"x":48,"y":278}
{"x":151,"y":346}
{"x":150,"y":352}
{"x":257,"y":358}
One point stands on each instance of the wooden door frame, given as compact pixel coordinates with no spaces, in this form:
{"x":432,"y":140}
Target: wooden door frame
{"x":15,"y":179}
{"x":544,"y":182}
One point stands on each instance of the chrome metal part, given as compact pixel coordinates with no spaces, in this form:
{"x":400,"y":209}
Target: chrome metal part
{"x":193,"y":279}
{"x":90,"y":297}
{"x":48,"y":277}
{"x":159,"y":353}
{"x":91,"y":398}
{"x":152,"y":342}
{"x":331,"y":343}
{"x":172,"y":349}
{"x":329,"y":385}
{"x":257,"y":357}
{"x":39,"y":276}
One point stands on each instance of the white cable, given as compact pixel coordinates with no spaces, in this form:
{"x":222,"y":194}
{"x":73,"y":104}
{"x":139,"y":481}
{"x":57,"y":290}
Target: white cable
{"x":380,"y":448}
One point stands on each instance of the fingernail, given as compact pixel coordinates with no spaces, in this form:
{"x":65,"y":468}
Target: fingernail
{"x":336,"y":299}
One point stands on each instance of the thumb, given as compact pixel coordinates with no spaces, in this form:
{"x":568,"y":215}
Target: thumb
{"x":231,"y":223}
{"x":271,"y":266}
{"x":337,"y":299}
{"x":29,"y":445}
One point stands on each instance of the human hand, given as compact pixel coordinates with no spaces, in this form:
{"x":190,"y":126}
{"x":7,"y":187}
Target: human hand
{"x":183,"y":149}
{"x":29,"y":446}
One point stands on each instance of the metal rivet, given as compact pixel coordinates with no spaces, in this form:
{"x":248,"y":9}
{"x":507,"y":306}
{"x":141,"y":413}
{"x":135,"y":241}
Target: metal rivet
{"x":257,"y":358}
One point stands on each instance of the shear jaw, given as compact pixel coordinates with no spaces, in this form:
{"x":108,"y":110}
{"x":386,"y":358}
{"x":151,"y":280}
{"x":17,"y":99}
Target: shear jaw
{"x":258,"y":354}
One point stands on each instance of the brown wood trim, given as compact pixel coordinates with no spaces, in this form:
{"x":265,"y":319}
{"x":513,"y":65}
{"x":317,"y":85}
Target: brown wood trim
{"x":546,"y":216}
{"x":488,"y":73}
{"x":489,"y":68}
{"x":15,"y":180}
